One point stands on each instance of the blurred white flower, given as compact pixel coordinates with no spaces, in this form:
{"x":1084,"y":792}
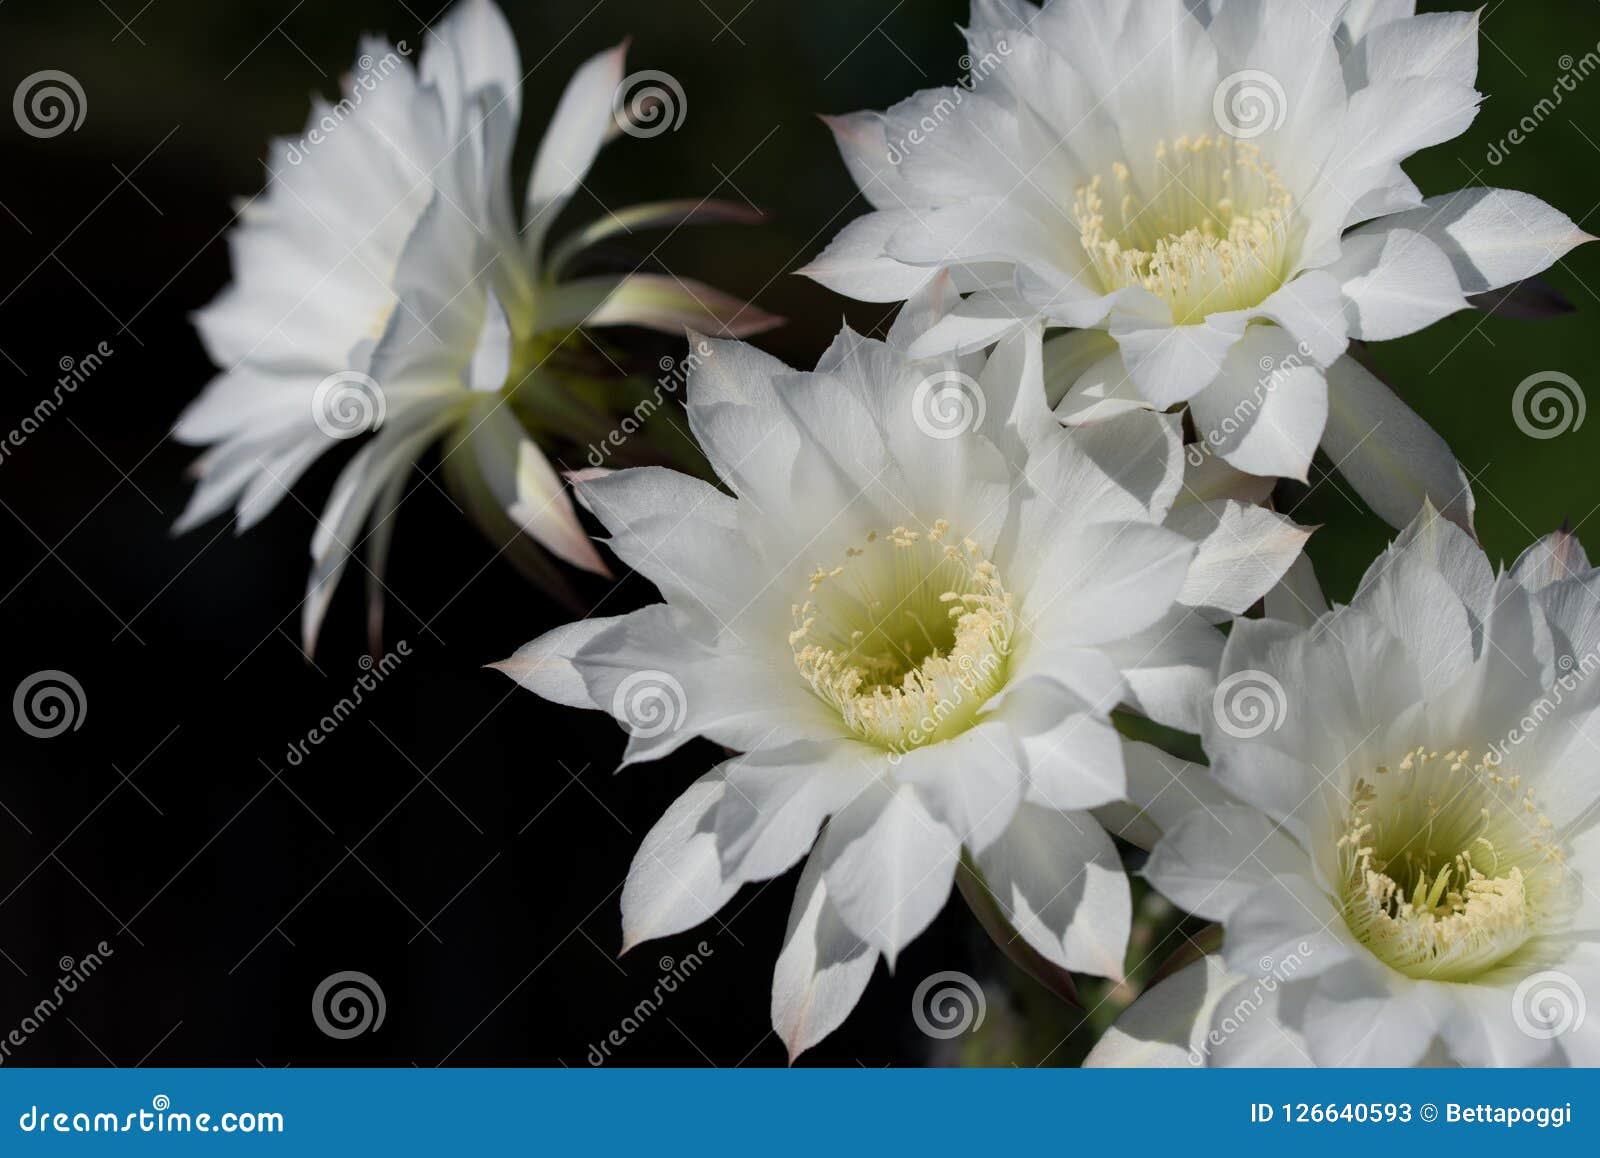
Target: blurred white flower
{"x":1405,"y":868}
{"x":912,"y":615}
{"x":383,"y":284}
{"x":1178,"y":183}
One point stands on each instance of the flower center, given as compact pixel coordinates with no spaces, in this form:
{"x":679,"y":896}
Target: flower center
{"x":1449,"y":867}
{"x":908,"y":637}
{"x":1213,"y":235}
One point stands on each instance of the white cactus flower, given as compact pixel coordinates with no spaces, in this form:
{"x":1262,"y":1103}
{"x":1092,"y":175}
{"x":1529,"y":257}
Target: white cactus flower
{"x":1405,"y":865}
{"x":1202,"y":192}
{"x":911,"y":613}
{"x":383,"y":284}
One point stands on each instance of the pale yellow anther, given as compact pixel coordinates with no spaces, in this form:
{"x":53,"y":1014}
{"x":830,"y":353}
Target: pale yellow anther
{"x":1446,"y":878}
{"x":912,"y":641}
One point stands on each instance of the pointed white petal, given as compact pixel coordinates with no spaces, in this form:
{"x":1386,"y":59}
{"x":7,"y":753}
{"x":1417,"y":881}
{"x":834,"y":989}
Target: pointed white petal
{"x":823,"y":968}
{"x":675,"y":880}
{"x":1060,"y":882}
{"x":1393,"y":459}
{"x":889,"y":866}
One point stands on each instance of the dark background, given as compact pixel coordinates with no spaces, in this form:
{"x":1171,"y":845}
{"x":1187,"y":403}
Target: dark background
{"x":458,"y":840}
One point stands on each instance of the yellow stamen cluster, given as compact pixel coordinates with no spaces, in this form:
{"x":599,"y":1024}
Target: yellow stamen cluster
{"x":908,"y":637}
{"x":1213,"y":234}
{"x":1448,"y":865}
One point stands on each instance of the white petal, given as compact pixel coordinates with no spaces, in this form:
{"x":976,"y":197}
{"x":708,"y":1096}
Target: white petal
{"x":680,"y":533}
{"x":1244,"y":551}
{"x":1290,"y":43}
{"x":1216,"y":856}
{"x":973,"y":782}
{"x":1166,"y":1026}
{"x":1103,"y":390}
{"x":1393,"y":459}
{"x":1311,"y":308}
{"x":1162,"y":790}
{"x":666,"y":681}
{"x":1060,"y":882}
{"x":980,"y":320}
{"x":738,"y":421}
{"x":1395,"y":283}
{"x":544,"y":666}
{"x":1266,"y":411}
{"x":675,"y":880}
{"x":854,"y":263}
{"x":364,"y":478}
{"x":1289,"y":917}
{"x":865,"y":149}
{"x":672,"y":304}
{"x":1361,"y":17}
{"x":1367,"y":1016}
{"x":889,"y":865}
{"x":1553,"y":558}
{"x":471,"y":50}
{"x":777,"y":801}
{"x":544,"y":511}
{"x":1171,"y":668}
{"x":1170,"y":363}
{"x":1074,"y":756}
{"x":1492,"y":237}
{"x":1107,"y":582}
{"x":822,"y":970}
{"x":1298,"y":599}
{"x":582,"y":122}
{"x":1443,"y":45}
